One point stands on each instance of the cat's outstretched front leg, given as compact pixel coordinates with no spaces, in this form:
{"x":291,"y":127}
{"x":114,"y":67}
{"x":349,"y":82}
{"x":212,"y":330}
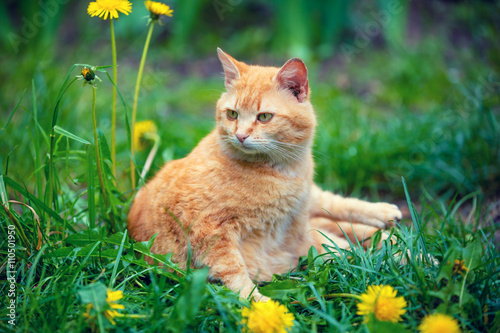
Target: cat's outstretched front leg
{"x":326,"y":204}
{"x":225,"y":261}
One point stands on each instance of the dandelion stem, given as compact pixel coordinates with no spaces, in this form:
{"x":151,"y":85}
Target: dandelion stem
{"x":113,"y":113}
{"x":136,"y":97}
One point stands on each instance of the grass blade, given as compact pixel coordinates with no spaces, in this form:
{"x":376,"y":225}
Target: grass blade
{"x":38,"y":161}
{"x":62,"y":131}
{"x":10,"y":182}
{"x":12,"y":113}
{"x":416,"y":221}
{"x":117,"y":262}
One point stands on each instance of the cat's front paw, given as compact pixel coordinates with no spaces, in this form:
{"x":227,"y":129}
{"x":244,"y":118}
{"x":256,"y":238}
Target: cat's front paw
{"x":253,"y":294}
{"x":258,"y":297}
{"x":383,"y":215}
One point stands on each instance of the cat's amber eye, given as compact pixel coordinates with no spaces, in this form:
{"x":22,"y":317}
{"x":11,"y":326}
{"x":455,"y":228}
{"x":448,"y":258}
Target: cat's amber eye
{"x":231,"y":114}
{"x":265,"y":117}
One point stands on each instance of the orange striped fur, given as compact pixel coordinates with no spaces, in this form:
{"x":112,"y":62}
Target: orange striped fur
{"x":244,"y":197}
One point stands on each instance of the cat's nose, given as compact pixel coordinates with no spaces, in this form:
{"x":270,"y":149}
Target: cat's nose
{"x":241,"y":137}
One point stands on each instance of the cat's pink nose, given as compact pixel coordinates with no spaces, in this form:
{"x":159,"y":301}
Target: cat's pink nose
{"x":241,"y":137}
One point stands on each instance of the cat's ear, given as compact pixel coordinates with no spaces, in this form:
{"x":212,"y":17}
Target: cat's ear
{"x":231,"y":71}
{"x":293,"y":77}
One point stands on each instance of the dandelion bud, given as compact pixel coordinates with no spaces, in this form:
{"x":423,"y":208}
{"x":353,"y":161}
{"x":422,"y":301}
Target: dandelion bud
{"x":88,"y":74}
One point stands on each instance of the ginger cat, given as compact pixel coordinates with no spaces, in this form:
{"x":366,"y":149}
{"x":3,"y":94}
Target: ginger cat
{"x":245,"y":197}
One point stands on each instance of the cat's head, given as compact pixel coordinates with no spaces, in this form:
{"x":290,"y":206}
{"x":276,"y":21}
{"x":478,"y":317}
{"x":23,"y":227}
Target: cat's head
{"x":265,"y":114}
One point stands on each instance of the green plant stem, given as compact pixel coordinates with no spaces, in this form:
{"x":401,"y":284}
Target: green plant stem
{"x":136,"y":97}
{"x":97,"y":156}
{"x":113,"y":113}
{"x":331,"y":296}
{"x":51,"y":185}
{"x":90,"y":187}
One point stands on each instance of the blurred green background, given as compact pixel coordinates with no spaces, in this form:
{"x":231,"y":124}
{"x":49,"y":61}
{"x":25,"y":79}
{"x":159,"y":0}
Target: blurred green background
{"x":401,"y":88}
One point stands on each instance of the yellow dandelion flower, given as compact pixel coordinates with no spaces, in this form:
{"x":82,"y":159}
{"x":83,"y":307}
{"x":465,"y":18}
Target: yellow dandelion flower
{"x":114,"y":296}
{"x":157,"y":8}
{"x":267,"y":317}
{"x":88,"y":307}
{"x":383,"y":303}
{"x":439,"y":323}
{"x":103,"y":8}
{"x":110,"y":315}
{"x":459,"y":267}
{"x":143,"y":132}
{"x":111,"y":299}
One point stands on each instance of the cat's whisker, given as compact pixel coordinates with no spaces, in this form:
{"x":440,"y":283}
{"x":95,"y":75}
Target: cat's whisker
{"x":267,"y":149}
{"x":269,"y":153}
{"x":286,"y":143}
{"x":317,"y":154}
{"x":287,"y":155}
{"x":296,"y":150}
{"x":216,"y":143}
{"x":290,"y":148}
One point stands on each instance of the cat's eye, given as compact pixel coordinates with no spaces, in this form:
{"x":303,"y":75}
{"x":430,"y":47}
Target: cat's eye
{"x":265,"y":117}
{"x":231,"y":114}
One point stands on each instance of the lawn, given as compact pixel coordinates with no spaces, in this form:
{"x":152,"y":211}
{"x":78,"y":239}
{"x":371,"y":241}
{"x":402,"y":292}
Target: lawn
{"x":409,"y":114}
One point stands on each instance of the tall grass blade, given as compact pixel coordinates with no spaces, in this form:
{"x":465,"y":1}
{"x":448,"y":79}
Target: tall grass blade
{"x":38,"y":162}
{"x":4,"y":198}
{"x":51,"y":189}
{"x":117,"y":262}
{"x":62,"y":131}
{"x":416,"y":221}
{"x":12,"y":113}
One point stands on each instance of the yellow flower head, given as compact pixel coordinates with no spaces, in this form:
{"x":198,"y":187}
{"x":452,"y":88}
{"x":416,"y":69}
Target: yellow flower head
{"x":111,"y":299}
{"x":157,"y":8}
{"x":439,"y":323}
{"x":267,"y":317}
{"x":459,"y":267}
{"x":143,"y":132}
{"x":114,"y":296}
{"x":111,"y":313}
{"x":103,"y":8}
{"x":383,"y":303}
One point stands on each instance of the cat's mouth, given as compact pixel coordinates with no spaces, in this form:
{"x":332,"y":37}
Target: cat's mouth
{"x":248,"y":147}
{"x":245,"y":147}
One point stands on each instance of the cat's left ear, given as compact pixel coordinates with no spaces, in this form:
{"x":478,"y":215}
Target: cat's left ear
{"x":293,"y":77}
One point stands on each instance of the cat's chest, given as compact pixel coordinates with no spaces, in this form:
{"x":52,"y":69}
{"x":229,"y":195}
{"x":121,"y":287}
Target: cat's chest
{"x":263,"y":196}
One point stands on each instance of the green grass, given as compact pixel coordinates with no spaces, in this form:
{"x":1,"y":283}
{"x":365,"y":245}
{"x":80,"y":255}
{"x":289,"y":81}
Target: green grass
{"x":53,"y":284}
{"x":417,"y":112}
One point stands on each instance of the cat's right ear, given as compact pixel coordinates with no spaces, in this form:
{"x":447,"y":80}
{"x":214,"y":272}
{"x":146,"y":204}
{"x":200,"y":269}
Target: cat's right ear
{"x":231,"y":71}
